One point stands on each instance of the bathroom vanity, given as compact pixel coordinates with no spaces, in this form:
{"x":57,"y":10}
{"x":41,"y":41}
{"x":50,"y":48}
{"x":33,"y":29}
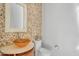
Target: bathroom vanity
{"x":12,"y":50}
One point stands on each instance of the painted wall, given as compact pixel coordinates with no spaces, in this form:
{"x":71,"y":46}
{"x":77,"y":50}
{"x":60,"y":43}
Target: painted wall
{"x":60,"y":29}
{"x":33,"y":25}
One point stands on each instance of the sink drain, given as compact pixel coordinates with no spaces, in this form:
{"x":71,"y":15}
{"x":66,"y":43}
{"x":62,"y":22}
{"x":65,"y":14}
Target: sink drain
{"x":56,"y":46}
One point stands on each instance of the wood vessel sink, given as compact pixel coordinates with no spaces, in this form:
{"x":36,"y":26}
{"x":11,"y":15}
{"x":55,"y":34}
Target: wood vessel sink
{"x":22,"y":42}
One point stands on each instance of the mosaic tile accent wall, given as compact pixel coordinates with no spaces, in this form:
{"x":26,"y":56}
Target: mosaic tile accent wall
{"x":33,"y":26}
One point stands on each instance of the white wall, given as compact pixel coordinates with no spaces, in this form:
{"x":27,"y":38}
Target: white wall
{"x":60,"y":28}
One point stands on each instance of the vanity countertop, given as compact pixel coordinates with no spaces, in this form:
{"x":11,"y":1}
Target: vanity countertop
{"x":12,"y":49}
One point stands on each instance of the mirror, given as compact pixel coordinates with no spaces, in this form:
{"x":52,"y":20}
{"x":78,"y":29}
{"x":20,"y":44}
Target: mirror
{"x":15,"y":17}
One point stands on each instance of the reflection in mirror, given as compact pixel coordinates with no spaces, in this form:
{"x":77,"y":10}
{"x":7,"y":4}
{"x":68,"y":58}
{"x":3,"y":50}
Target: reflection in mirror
{"x":18,"y":17}
{"x":15,"y":17}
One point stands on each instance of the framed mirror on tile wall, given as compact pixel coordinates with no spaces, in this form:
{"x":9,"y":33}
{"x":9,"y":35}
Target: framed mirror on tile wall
{"x":15,"y":17}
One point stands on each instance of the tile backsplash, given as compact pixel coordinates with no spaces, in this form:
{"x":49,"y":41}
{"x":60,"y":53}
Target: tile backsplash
{"x":34,"y":22}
